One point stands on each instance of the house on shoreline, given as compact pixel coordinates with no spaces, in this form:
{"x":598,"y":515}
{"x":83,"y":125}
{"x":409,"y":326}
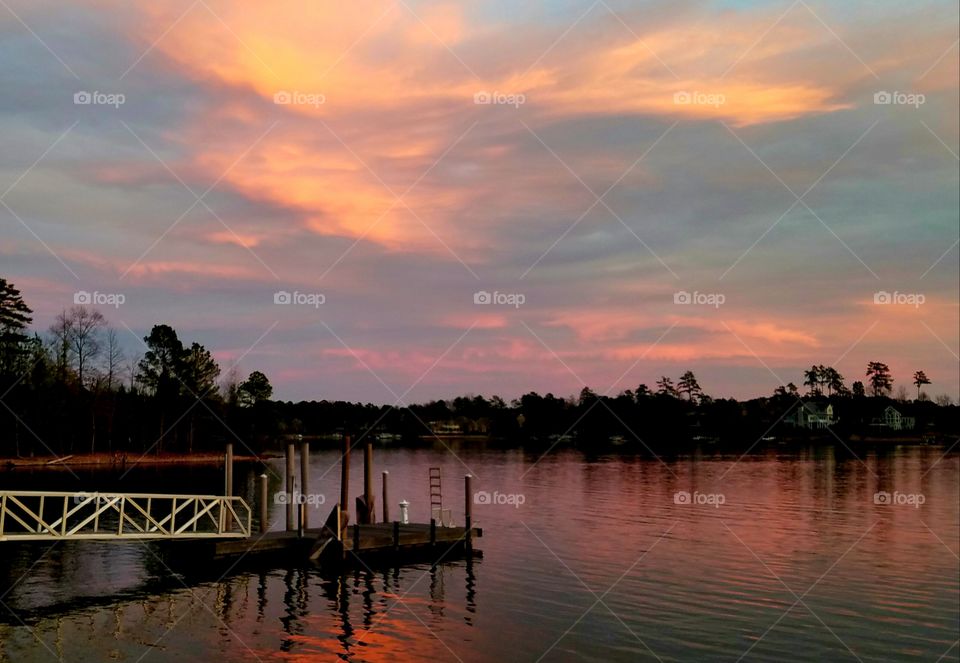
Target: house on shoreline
{"x":893,"y":420}
{"x":812,"y":416}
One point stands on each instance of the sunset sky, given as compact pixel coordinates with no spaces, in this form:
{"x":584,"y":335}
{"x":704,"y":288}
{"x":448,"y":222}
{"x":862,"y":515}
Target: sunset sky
{"x":740,"y":151}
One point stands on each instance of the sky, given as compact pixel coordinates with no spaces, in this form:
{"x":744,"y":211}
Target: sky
{"x":396,"y":201}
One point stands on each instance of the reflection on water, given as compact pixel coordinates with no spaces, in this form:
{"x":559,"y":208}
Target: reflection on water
{"x":775,"y":557}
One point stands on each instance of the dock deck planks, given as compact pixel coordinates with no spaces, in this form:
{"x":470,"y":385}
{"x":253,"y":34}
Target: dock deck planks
{"x":374,"y":539}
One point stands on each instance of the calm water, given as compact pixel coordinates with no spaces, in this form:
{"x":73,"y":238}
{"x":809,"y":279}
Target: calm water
{"x":776,"y":557}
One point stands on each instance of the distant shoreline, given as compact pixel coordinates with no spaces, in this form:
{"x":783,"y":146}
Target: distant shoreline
{"x":122,"y":460}
{"x":108,"y":460}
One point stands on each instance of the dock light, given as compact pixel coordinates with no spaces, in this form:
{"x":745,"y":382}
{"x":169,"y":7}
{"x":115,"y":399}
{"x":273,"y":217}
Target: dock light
{"x":404,"y":516}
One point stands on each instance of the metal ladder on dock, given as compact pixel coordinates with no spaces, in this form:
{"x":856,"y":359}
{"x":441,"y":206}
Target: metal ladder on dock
{"x":444,"y":517}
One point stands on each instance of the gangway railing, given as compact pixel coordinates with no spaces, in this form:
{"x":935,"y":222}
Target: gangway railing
{"x":44,"y":515}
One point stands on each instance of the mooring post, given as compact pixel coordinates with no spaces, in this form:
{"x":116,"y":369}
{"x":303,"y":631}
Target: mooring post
{"x":356,"y":538}
{"x":433,"y":532}
{"x":291,"y":521}
{"x":263,"y":504}
{"x":386,"y":501}
{"x":368,"y":483}
{"x":468,"y":509}
{"x":396,"y":535}
{"x":304,"y":480}
{"x":228,"y":483}
{"x":344,"y":482}
{"x":228,"y":471}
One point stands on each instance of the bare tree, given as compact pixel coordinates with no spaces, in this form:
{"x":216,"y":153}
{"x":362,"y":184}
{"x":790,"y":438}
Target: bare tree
{"x":229,"y":386}
{"x":60,"y":333}
{"x":132,"y":369}
{"x":84,"y":336}
{"x":112,"y":366}
{"x":113,"y":358}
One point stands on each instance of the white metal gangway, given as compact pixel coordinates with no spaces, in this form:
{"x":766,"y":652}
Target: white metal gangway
{"x":47,"y":516}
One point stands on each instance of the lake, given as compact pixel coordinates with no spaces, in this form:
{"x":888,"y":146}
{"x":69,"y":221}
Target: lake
{"x":808,"y":554}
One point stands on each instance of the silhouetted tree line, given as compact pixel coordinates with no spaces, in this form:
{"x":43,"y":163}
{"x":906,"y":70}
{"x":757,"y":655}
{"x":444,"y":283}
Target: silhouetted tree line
{"x":672,"y":413}
{"x":74,"y":390}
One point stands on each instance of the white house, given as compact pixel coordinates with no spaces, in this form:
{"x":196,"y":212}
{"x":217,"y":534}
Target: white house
{"x":893,"y":420}
{"x":814,"y":416}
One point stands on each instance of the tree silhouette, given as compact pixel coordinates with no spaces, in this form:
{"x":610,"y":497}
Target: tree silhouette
{"x":811,"y":378}
{"x":665,"y":387}
{"x":199,"y":371}
{"x":14,"y":318}
{"x":160,"y":370}
{"x":833,"y":380}
{"x":880,"y":379}
{"x":254,"y":389}
{"x":788,"y":389}
{"x":920,"y":378}
{"x":688,"y":385}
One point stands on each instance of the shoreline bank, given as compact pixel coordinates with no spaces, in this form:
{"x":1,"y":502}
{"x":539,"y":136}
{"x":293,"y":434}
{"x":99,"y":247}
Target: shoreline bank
{"x":123,"y":460}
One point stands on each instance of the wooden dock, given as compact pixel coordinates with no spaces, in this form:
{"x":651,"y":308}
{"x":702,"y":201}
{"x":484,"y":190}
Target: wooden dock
{"x":341,"y":542}
{"x":360,"y":544}
{"x":220,"y":527}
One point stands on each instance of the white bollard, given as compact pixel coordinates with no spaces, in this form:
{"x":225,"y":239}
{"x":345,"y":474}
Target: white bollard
{"x":404,"y":515}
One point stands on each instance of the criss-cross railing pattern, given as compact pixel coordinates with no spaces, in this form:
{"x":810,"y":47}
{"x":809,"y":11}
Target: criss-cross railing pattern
{"x":43,"y":515}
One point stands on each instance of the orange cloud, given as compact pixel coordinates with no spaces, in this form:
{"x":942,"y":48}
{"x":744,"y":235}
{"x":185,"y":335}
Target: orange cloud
{"x":387,"y":84}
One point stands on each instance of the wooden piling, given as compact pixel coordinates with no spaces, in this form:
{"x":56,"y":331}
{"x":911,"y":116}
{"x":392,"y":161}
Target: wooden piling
{"x":228,"y":483}
{"x":356,"y":538}
{"x":468,"y":509}
{"x":291,"y":513}
{"x":396,"y":535}
{"x":345,"y":481}
{"x":433,"y":532}
{"x":304,"y":480}
{"x":385,"y":498}
{"x":371,"y":515}
{"x":264,"y":525}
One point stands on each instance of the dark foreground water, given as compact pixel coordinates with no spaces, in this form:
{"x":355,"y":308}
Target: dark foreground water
{"x":773,"y":557}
